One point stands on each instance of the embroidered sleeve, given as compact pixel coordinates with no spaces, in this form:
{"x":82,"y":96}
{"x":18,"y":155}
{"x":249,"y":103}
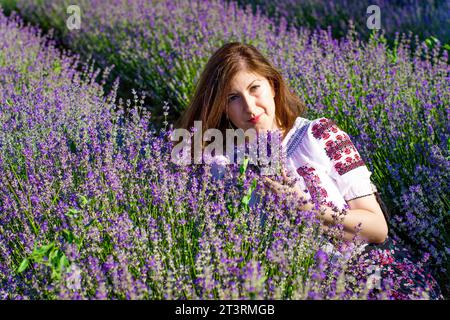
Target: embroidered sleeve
{"x":340,"y":157}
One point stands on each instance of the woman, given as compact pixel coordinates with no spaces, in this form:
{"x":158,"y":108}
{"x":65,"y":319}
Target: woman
{"x":239,"y":88}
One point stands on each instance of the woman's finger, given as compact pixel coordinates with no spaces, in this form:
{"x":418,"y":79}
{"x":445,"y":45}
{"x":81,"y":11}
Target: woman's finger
{"x":289,"y":181}
{"x":284,"y":173}
{"x":276,"y":186}
{"x":272,"y":184}
{"x":269,"y":182}
{"x":281,"y":188}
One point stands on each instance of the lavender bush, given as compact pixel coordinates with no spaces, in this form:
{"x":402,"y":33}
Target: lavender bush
{"x":423,"y":18}
{"x":91,"y":207}
{"x":396,"y":110}
{"x":157,"y":46}
{"x":392,"y":100}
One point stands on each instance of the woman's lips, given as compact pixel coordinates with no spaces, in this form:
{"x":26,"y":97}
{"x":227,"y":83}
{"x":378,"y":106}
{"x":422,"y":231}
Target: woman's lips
{"x":255,"y":119}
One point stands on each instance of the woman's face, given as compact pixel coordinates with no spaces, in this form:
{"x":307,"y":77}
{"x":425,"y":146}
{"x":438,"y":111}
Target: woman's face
{"x":251,"y":102}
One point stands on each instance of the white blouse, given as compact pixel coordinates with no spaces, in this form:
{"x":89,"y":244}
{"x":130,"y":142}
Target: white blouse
{"x":328,"y":167}
{"x":325,"y":162}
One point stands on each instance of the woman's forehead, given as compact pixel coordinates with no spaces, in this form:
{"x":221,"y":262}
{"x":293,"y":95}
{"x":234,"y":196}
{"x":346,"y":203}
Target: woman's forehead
{"x":243,"y":78}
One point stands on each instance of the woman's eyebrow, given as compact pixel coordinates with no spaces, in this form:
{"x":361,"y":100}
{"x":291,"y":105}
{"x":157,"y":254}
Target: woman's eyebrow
{"x":247,"y":86}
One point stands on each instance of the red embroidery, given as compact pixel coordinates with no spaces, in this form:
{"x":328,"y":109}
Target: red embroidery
{"x":348,"y":165}
{"x":339,"y":148}
{"x":320,"y":128}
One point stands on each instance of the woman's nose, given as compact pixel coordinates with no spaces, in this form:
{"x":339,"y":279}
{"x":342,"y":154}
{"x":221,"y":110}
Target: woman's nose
{"x":249,"y":104}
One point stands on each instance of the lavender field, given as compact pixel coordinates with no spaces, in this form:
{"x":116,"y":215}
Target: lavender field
{"x":425,"y":18}
{"x":91,"y":207}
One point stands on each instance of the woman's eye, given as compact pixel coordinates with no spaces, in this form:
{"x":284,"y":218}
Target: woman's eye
{"x":232,"y":97}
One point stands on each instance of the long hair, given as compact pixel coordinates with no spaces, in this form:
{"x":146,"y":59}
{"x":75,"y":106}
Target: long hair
{"x":209,"y":101}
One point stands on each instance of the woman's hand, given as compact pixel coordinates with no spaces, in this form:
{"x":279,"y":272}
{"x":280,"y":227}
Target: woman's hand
{"x":287,"y":187}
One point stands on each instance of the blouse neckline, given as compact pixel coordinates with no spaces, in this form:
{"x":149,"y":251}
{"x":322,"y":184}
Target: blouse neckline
{"x":291,"y":140}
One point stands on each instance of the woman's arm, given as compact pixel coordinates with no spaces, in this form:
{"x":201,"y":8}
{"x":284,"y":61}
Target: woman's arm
{"x":364,"y":211}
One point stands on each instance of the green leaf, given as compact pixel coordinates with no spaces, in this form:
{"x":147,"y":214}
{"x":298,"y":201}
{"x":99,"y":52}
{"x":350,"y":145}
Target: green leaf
{"x":72,"y":212}
{"x":253,"y":185}
{"x":243,"y":167}
{"x":246,"y":199}
{"x":23,"y":265}
{"x":230,"y":209}
{"x":431,"y":41}
{"x":53,"y":255}
{"x":59,"y":262}
{"x":57,"y":67}
{"x":84,"y":201}
{"x":68,"y":235}
{"x":43,"y":250}
{"x":63,"y":262}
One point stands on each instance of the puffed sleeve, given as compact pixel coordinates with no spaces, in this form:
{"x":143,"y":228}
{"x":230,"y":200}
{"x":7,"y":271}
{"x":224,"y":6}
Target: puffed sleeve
{"x":334,"y":149}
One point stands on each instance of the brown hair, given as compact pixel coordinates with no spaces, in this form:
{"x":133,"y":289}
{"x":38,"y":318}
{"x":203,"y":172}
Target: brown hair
{"x":210,"y":98}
